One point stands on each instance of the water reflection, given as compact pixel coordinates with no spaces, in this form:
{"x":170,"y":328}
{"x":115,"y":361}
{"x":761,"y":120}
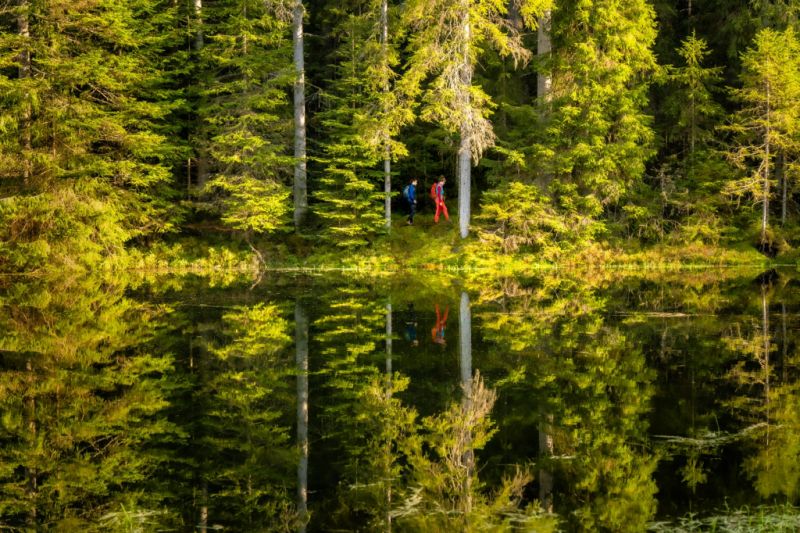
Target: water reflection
{"x":559,"y":403}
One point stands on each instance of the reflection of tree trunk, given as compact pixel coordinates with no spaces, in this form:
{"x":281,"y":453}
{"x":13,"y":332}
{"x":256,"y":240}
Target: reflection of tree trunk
{"x":783,"y":341}
{"x":766,"y":346}
{"x":300,"y":183}
{"x":204,"y":507}
{"x":545,"y":475}
{"x":388,"y":450}
{"x":301,"y":346}
{"x":30,"y":415}
{"x":465,"y":363}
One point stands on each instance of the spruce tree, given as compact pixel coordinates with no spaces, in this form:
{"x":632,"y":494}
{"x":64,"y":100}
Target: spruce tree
{"x":360,"y":120}
{"x":446,"y":40}
{"x":246,"y":113}
{"x":84,"y":159}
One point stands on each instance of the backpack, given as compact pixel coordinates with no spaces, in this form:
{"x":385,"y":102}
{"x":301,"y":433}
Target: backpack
{"x":433,"y":190}
{"x":405,"y":192}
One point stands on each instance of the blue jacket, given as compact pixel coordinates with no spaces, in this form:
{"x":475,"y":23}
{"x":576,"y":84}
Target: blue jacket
{"x":412,"y":193}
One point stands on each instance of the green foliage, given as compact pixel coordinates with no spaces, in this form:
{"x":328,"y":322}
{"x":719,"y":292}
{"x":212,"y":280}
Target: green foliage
{"x":517,"y":218}
{"x":245,"y":72}
{"x":768,"y":122}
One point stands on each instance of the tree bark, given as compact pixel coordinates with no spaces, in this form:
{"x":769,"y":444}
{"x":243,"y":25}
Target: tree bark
{"x":780,"y":171}
{"x":387,"y":159}
{"x":202,"y":159}
{"x":766,"y":348}
{"x":544,"y":46}
{"x":301,"y":358}
{"x":465,"y":148}
{"x":23,"y":27}
{"x":765,"y":205}
{"x":300,"y":181}
{"x":545,"y":475}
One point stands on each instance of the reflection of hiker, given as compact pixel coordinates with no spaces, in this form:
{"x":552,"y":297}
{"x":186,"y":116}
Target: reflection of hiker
{"x":411,"y":325}
{"x":437,"y":193}
{"x":410,"y":194}
{"x":437,"y":333}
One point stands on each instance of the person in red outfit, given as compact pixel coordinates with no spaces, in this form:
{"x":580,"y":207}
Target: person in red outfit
{"x":437,"y":332}
{"x":439,"y":199}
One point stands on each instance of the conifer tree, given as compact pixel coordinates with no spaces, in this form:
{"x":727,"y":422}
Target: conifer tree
{"x":246,"y":113}
{"x":360,"y":119}
{"x":446,"y":39}
{"x":82,"y":155}
{"x":769,"y":119}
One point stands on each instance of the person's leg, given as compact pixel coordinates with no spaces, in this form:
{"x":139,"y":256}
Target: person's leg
{"x":444,"y":210}
{"x":438,"y":210}
{"x":412,"y":208}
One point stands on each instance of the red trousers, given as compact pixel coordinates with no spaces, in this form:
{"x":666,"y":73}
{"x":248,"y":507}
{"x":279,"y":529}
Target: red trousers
{"x":440,"y":208}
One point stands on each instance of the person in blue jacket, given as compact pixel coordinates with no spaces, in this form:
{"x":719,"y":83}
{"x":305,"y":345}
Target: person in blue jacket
{"x":411,"y":199}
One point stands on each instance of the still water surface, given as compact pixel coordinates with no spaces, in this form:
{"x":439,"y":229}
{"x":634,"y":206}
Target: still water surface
{"x":560,"y":402}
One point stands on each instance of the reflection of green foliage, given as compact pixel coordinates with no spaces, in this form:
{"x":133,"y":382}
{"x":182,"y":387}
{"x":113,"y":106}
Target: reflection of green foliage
{"x":245,"y":448}
{"x":81,"y":394}
{"x":445,"y":492}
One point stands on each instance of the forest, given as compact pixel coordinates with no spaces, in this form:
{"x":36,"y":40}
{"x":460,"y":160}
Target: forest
{"x":284,"y":128}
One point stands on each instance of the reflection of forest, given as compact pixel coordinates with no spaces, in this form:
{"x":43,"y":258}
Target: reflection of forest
{"x":554,"y":403}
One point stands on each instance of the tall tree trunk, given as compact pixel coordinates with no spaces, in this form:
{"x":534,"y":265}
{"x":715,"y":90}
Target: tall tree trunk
{"x":765,"y":206}
{"x":465,"y":148}
{"x":300,"y":182}
{"x":202,"y":157}
{"x":387,"y":158}
{"x":780,"y":171}
{"x":301,"y":358}
{"x":544,"y":46}
{"x":546,"y":451}
{"x":23,"y":27}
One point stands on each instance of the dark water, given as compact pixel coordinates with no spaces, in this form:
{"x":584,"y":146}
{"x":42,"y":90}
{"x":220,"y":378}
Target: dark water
{"x":560,"y":402}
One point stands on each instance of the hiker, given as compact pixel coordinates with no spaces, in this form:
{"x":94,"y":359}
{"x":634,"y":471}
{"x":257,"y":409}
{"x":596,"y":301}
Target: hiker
{"x":437,"y":193}
{"x":437,"y":332}
{"x":410,"y":194}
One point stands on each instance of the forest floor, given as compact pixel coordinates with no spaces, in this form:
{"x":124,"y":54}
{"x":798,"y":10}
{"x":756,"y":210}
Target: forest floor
{"x":429,"y":246}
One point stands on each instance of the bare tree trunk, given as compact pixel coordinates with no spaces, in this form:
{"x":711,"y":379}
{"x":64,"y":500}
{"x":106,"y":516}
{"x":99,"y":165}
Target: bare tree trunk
{"x":301,"y":358}
{"x":465,"y":148}
{"x":300,"y":182}
{"x":202,"y":157}
{"x":203,"y":524}
{"x":23,"y":26}
{"x":387,"y":159}
{"x":765,"y":205}
{"x":545,"y":475}
{"x":544,"y":46}
{"x":780,"y":171}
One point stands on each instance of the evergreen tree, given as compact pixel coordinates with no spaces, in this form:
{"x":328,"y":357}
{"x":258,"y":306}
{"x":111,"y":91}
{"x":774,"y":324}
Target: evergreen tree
{"x":768,"y":121}
{"x":85,"y":162}
{"x":360,"y":120}
{"x":599,"y":136}
{"x":245,"y":113}
{"x":446,"y":39}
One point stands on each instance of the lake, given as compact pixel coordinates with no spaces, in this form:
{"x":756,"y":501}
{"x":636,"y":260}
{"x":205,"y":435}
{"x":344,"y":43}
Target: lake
{"x":427,"y":401}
